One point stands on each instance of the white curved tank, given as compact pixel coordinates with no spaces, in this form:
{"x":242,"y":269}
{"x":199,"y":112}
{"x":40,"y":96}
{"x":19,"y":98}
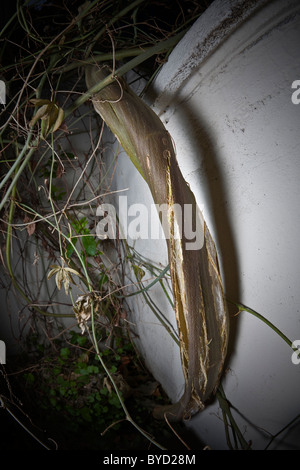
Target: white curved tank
{"x":229,"y":97}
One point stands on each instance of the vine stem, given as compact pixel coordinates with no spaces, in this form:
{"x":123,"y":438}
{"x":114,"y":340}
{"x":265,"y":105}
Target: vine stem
{"x":242,"y":308}
{"x":94,"y":341}
{"x":225,"y":405}
{"x":43,"y":51}
{"x":131,"y":64}
{"x":123,"y":12}
{"x":3,"y":405}
{"x":127,"y":414}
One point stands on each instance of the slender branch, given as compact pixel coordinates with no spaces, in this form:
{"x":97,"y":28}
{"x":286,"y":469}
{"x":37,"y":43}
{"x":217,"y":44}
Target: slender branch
{"x":121,"y":400}
{"x":156,"y":49}
{"x":242,"y":307}
{"x":119,"y":15}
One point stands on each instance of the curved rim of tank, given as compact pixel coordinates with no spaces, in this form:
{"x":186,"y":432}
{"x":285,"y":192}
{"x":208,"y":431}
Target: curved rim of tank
{"x":210,"y":30}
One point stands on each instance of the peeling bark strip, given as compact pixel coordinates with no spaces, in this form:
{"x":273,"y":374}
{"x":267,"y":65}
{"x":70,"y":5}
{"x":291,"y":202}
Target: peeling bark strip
{"x":200,"y":306}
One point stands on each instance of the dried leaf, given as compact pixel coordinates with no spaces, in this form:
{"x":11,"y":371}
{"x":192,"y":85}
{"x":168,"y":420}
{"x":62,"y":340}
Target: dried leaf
{"x":66,"y":284}
{"x":70,"y":270}
{"x":59,"y":119}
{"x":83,"y":309}
{"x":31,"y":228}
{"x":51,"y":115}
{"x":107,"y":384}
{"x":53,"y":270}
{"x":39,"y":101}
{"x":60,"y":170}
{"x":202,"y":319}
{"x":39,"y":115}
{"x":31,"y":225}
{"x":59,"y":278}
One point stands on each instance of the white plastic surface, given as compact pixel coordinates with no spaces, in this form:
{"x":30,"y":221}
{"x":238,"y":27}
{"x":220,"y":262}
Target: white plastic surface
{"x":225,"y":97}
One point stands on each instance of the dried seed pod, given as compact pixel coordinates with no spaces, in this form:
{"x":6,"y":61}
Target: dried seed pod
{"x":200,"y":305}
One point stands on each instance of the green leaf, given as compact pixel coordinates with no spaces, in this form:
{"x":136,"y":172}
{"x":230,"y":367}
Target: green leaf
{"x":85,"y":413}
{"x":92,"y":370}
{"x":53,"y":401}
{"x":80,"y":225}
{"x":81,"y":340}
{"x":114,"y":401}
{"x":29,"y":378}
{"x":70,"y":247}
{"x":65,"y":353}
{"x":56,"y":371}
{"x":103,"y":279}
{"x":90,"y":245}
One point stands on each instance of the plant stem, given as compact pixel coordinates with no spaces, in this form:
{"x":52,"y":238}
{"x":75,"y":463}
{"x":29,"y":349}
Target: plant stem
{"x":242,"y":307}
{"x":127,"y":414}
{"x":3,"y":405}
{"x":281,"y":431}
{"x":157,"y":48}
{"x":226,"y":410}
{"x":111,"y":22}
{"x":119,"y":55}
{"x":50,"y":197}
